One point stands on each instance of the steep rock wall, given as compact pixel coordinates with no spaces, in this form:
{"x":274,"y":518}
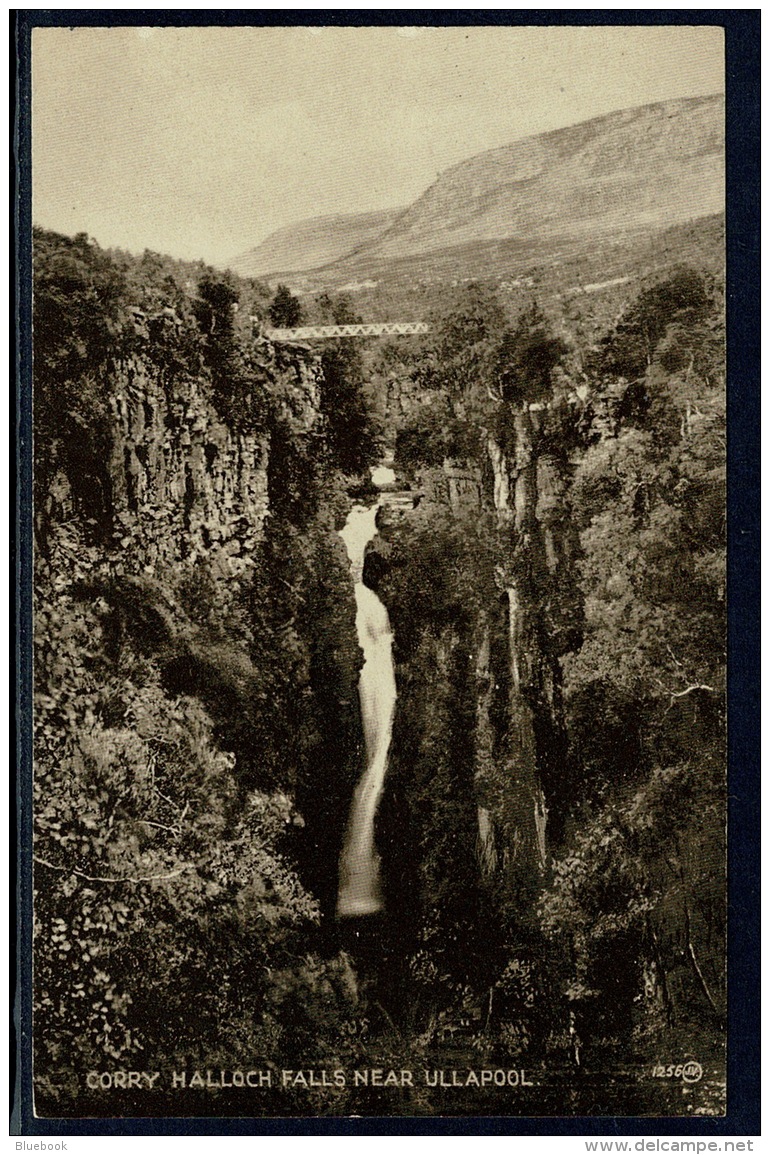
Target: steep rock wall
{"x":529,"y":490}
{"x":182,"y":484}
{"x":502,"y":528}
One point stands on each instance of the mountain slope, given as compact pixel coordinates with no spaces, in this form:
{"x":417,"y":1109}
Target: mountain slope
{"x":313,"y":242}
{"x":641,"y":168}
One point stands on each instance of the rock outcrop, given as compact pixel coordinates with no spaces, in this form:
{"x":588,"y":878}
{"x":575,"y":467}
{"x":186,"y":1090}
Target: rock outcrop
{"x":181,"y":484}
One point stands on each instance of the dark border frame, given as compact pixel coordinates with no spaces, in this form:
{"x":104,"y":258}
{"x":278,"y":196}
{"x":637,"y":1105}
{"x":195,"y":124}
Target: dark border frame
{"x":742,"y":55}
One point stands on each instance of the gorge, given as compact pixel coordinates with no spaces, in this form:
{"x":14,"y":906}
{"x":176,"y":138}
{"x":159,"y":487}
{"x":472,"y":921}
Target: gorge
{"x":227,"y":784}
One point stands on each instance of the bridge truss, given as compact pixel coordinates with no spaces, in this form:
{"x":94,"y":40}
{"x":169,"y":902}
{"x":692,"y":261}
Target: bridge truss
{"x":327,"y":332}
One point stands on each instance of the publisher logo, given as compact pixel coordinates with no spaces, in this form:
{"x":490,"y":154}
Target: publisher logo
{"x":692,"y":1072}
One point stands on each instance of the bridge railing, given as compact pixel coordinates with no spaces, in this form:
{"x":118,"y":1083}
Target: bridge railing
{"x":327,"y":332}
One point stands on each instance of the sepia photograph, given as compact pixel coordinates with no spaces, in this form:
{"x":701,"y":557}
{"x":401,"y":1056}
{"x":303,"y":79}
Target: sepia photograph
{"x":378,"y":533}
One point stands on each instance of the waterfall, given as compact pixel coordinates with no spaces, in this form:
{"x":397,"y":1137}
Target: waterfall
{"x":359,"y":889}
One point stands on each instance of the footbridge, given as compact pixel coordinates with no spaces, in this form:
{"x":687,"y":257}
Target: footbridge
{"x":327,"y":332}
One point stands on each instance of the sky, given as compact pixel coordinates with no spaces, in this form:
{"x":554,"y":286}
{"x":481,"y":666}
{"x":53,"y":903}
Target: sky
{"x":200,"y":142}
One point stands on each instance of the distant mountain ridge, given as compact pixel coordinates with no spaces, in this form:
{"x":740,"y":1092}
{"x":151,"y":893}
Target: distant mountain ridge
{"x":639,"y":169}
{"x":313,"y":242}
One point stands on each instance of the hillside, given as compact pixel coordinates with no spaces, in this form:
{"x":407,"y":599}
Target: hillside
{"x":619,"y":179}
{"x":647,"y":167}
{"x":313,"y":242}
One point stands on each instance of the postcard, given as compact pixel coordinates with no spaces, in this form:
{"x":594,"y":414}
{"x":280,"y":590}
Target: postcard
{"x":378,"y":537}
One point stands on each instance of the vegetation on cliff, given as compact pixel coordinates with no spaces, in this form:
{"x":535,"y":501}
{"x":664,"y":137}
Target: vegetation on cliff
{"x":195,"y":676}
{"x":552,"y":829}
{"x":583,"y":563}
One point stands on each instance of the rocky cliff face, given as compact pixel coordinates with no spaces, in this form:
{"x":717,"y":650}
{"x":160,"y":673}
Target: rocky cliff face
{"x":181,"y":484}
{"x":529,"y":491}
{"x":197,"y":553}
{"x":162,"y":519}
{"x":504,"y":615}
{"x":184,"y":484}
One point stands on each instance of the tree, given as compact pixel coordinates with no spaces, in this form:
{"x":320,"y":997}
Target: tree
{"x":641,"y":887}
{"x":78,"y":312}
{"x":353,"y":437}
{"x":237,"y":382}
{"x":682,"y":297}
{"x":472,"y":314}
{"x":285,"y":311}
{"x":454,"y":368}
{"x":218,"y":296}
{"x":526,"y":357}
{"x":460,"y":351}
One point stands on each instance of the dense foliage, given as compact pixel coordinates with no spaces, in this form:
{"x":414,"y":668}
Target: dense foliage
{"x":184,"y":712}
{"x":620,"y":649}
{"x":552,"y":832}
{"x":285,"y":310}
{"x":353,"y":435}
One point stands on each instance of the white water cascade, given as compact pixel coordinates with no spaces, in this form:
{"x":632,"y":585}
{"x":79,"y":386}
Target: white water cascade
{"x":359,"y":888}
